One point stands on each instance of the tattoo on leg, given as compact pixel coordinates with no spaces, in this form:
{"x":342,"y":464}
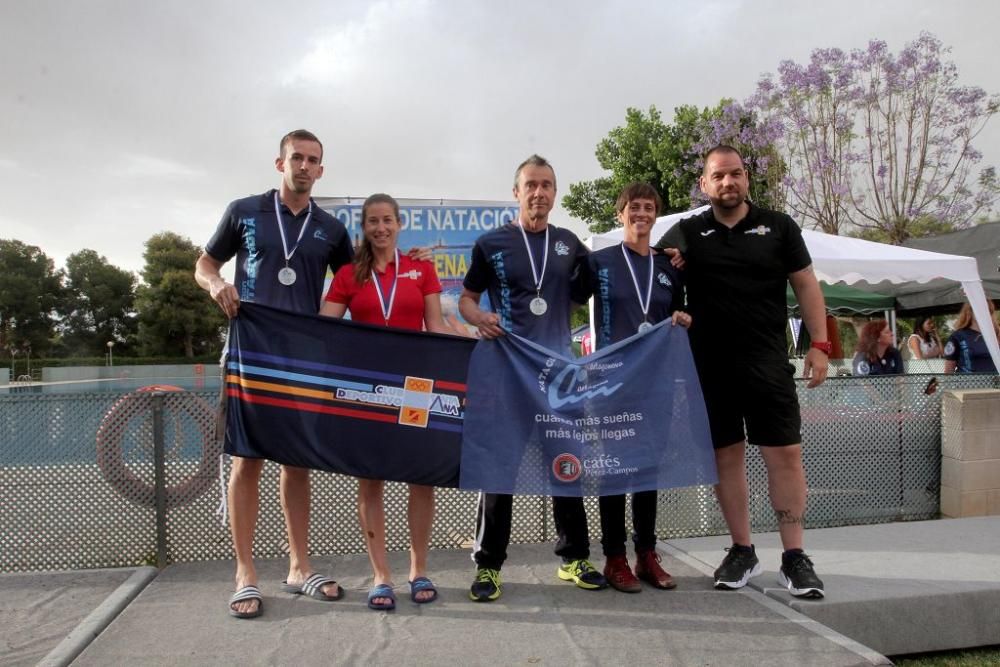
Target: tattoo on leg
{"x":786,"y":517}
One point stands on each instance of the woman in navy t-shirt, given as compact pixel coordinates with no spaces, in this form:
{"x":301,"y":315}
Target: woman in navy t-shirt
{"x":876,"y":354}
{"x":633,"y":289}
{"x":965,"y":351}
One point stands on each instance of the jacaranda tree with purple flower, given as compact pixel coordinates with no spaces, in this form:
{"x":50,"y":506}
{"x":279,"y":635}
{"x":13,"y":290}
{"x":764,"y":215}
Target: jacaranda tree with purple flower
{"x":876,"y":143}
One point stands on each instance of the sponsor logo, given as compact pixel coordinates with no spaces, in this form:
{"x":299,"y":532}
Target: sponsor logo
{"x":416,"y":400}
{"x":561,"y":248}
{"x":321,"y":235}
{"x":412,"y":274}
{"x":662,"y":278}
{"x":570,"y":386}
{"x":949,"y":349}
{"x":711,"y":231}
{"x":566,"y":467}
{"x":864,"y":368}
{"x":759,"y":230}
{"x":414,"y":409}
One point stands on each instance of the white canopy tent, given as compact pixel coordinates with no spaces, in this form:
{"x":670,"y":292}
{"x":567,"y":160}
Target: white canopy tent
{"x":849,"y":260}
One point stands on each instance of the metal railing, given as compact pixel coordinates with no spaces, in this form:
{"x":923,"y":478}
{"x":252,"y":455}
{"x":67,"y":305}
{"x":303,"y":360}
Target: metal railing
{"x":104,"y":480}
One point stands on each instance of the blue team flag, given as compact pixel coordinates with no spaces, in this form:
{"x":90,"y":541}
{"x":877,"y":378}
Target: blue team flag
{"x":352,"y":398}
{"x":628,"y":418}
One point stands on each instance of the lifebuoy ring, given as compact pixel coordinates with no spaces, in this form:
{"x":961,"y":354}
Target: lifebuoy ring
{"x":110,"y":454}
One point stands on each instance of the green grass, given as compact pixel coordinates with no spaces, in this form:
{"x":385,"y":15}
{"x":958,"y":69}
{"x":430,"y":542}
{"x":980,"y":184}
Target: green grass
{"x":984,"y":656}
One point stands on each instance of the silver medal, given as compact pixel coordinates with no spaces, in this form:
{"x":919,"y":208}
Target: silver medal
{"x":644,"y":327}
{"x":538,"y":306}
{"x":286,"y":276}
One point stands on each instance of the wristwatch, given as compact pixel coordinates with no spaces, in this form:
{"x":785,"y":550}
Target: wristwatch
{"x":826,"y":346}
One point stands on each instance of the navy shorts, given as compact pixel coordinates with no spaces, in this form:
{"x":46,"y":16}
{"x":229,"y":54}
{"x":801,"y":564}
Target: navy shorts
{"x":756,"y":403}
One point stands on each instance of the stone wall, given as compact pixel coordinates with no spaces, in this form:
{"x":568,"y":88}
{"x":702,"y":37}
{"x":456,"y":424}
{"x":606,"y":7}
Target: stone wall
{"x":970,"y":453}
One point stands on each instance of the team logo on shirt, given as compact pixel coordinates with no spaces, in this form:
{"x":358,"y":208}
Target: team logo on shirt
{"x":566,"y":467}
{"x":759,"y":230}
{"x":949,"y":349}
{"x":412,"y":274}
{"x":864,"y":368}
{"x":561,"y":248}
{"x":662,"y":278}
{"x":321,"y":235}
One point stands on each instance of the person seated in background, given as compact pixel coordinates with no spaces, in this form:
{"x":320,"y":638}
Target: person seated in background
{"x":924,"y":343}
{"x":875,"y":352}
{"x":965,"y":351}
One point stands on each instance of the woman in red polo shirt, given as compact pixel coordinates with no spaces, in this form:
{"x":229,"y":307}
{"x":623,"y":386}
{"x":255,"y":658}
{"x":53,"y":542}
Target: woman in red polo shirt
{"x":384,"y":287}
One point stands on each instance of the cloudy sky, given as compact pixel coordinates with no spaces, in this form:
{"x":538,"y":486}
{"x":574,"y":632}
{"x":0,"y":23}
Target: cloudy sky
{"x":120,"y":119}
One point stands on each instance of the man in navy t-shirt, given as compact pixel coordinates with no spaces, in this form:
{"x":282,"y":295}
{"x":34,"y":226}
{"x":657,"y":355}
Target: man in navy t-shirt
{"x":531,"y":270}
{"x":284,"y":244}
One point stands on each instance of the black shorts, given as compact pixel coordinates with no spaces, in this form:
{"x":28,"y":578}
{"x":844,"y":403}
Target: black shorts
{"x":761,"y":396}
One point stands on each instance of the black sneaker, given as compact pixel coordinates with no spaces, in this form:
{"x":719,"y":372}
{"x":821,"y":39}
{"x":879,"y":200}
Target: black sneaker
{"x":739,"y":565}
{"x":486,"y":587}
{"x":799,"y":577}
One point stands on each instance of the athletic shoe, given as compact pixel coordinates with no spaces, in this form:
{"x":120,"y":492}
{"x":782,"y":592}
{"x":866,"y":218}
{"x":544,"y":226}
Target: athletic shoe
{"x":486,"y":587}
{"x":739,"y":565}
{"x":583,"y":574}
{"x":799,"y":577}
{"x":619,"y":575}
{"x":647,"y":568}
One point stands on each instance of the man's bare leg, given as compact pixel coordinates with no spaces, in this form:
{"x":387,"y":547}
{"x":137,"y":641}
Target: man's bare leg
{"x":786,"y":483}
{"x":733,"y":492}
{"x":295,"y":496}
{"x":243,"y":497}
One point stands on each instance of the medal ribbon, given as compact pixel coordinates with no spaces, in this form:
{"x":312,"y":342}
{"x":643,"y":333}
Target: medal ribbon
{"x":386,"y":311}
{"x":538,"y":278}
{"x":281,"y":228}
{"x":635,"y":282}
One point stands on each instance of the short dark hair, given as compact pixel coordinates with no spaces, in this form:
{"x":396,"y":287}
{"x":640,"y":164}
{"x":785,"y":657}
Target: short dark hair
{"x":638,"y":190}
{"x":301,"y":135}
{"x":535,"y":161}
{"x":724,"y":149}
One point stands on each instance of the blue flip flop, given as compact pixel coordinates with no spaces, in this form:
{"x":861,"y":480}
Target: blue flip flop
{"x":382,"y":591}
{"x":422,"y":584}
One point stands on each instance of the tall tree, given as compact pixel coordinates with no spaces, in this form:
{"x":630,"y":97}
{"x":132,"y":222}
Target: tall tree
{"x":99,"y":306}
{"x":176,"y":317}
{"x":669,"y":157}
{"x":30,"y":290}
{"x":878,"y":143}
{"x":629,"y":153}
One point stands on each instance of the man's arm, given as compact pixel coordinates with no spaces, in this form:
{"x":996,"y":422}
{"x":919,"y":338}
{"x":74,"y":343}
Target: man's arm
{"x":813,"y":307}
{"x":206,"y":273}
{"x":488,"y":323}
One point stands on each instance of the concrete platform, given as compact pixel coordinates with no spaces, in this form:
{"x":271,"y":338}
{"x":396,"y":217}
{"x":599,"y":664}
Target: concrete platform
{"x":180,"y":618}
{"x":891,"y":589}
{"x":897,"y":588}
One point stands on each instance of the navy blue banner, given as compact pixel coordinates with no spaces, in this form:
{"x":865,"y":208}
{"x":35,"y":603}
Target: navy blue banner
{"x":330,"y":394}
{"x":629,"y":418}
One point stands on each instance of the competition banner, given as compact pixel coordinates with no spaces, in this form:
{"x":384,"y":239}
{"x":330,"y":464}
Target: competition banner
{"x":629,"y":418}
{"x":331,"y":394}
{"x":449,"y":227}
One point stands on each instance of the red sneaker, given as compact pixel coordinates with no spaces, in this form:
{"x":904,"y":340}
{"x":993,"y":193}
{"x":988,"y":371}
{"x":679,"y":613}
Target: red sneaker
{"x":620,"y":576}
{"x":647,"y":568}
